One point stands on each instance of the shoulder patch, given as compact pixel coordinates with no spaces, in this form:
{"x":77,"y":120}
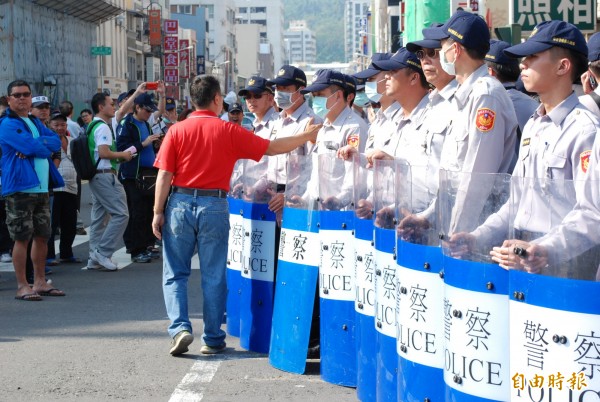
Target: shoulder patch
{"x":485,"y":119}
{"x":354,"y":140}
{"x":526,"y":142}
{"x":584,"y":158}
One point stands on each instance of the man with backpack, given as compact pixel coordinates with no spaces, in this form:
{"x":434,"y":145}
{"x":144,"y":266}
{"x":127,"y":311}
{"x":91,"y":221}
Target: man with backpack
{"x":108,"y":195}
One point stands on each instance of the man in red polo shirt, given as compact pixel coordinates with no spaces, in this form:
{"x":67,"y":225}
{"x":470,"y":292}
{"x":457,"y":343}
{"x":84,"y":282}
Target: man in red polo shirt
{"x":197,"y":159}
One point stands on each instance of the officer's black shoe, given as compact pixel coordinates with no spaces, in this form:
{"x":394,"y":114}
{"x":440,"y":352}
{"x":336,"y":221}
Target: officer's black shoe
{"x":314,"y":352}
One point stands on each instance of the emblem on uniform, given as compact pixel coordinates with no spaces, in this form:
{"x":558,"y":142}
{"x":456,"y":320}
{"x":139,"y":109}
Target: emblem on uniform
{"x":484,"y":119}
{"x":526,"y":142}
{"x":584,"y":157}
{"x":354,"y":140}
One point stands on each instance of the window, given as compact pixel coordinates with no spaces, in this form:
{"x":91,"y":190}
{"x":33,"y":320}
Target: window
{"x":243,"y":10}
{"x":258,"y":9}
{"x":210,"y":8}
{"x":185,"y":9}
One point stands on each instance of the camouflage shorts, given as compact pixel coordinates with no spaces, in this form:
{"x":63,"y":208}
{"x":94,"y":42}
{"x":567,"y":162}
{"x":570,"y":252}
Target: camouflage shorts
{"x":28,"y":214}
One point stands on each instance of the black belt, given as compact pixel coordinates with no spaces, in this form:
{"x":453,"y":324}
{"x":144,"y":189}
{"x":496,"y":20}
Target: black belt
{"x":200,"y":192}
{"x":527,"y":236}
{"x":280,"y":188}
{"x":113,"y":171}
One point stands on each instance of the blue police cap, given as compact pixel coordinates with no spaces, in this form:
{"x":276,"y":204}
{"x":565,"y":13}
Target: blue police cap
{"x":468,"y":29}
{"x":401,"y":59}
{"x":496,"y":53}
{"x":170,"y":103}
{"x":323,"y":79}
{"x":289,"y":75}
{"x":427,"y":42}
{"x":594,"y":47}
{"x":548,"y":34}
{"x":349,"y":83}
{"x":146,"y":100}
{"x":372,"y":70}
{"x":256,"y":85}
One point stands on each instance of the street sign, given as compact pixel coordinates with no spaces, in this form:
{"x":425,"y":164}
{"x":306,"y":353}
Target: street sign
{"x":200,"y":65}
{"x":170,"y":43}
{"x":581,"y":13}
{"x":171,"y":27}
{"x":101,"y":51}
{"x":171,"y":75}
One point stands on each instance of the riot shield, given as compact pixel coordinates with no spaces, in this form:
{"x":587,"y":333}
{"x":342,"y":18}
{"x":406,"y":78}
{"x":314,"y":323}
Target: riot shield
{"x":258,"y":263}
{"x":234,"y":249}
{"x":297,"y":270}
{"x":475,"y":309}
{"x":554,"y":308}
{"x":364,"y":301}
{"x":419,"y":289}
{"x":336,"y":271}
{"x":385,"y":279}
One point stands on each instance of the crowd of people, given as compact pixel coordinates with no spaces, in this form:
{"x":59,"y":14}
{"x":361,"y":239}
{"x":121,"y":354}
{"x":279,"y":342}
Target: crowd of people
{"x":455,"y":100}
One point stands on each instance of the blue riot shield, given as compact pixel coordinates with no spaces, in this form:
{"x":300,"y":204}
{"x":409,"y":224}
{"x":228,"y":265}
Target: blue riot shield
{"x":385,"y":279}
{"x":297,"y":270}
{"x":554,"y":308}
{"x":419,"y":289}
{"x":234,"y":249}
{"x":258,"y":263}
{"x":336,"y":271}
{"x":475,"y":306}
{"x":364,"y":300}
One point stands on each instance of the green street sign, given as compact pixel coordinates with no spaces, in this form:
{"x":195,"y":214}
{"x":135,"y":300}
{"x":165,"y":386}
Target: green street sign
{"x":101,"y":51}
{"x":529,"y":13}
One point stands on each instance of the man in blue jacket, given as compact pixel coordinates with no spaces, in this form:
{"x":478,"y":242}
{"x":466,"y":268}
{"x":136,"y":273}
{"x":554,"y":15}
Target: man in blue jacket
{"x":26,"y":175}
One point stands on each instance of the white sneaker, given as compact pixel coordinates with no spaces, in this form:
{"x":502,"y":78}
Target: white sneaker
{"x":93,"y":264}
{"x":104,"y":261}
{"x":5,"y":258}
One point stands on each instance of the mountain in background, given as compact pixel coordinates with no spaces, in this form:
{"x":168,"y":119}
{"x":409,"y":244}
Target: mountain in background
{"x":326,"y":19}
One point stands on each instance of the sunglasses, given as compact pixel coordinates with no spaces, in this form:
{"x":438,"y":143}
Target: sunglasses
{"x":18,"y":95}
{"x":431,"y":53}
{"x":253,"y":96}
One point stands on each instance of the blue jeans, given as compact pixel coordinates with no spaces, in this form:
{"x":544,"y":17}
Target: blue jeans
{"x":189,"y":222}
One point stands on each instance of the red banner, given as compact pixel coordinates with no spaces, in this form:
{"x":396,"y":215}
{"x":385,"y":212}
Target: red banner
{"x":183,"y":43}
{"x":171,"y":60}
{"x":172,"y":75}
{"x":154,"y":25}
{"x":171,"y":27}
{"x":184,"y":71}
{"x":170,"y":44}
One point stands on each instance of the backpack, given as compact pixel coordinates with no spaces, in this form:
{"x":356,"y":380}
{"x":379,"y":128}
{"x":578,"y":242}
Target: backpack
{"x":81,"y":155}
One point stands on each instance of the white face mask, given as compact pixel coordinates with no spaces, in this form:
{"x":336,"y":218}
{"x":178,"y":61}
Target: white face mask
{"x":284,"y":99}
{"x":448,"y":67}
{"x":371,"y":90}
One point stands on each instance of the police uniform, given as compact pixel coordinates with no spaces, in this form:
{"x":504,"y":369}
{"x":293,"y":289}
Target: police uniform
{"x":483,"y":134}
{"x":347,"y":129}
{"x":592,"y":100}
{"x":264,"y":128}
{"x":383,"y":127}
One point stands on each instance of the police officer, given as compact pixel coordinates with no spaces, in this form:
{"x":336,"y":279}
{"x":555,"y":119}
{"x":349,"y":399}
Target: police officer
{"x":484,"y":131}
{"x":259,"y":99}
{"x":590,"y":78}
{"x":357,"y":98}
{"x":385,"y":121}
{"x":506,"y":70}
{"x":557,"y":140}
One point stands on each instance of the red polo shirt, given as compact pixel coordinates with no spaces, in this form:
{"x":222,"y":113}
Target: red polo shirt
{"x":201,"y":151}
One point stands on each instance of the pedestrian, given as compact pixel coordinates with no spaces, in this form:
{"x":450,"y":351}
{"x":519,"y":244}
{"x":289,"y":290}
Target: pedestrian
{"x":41,"y":108}
{"x":167,"y":119}
{"x":64,"y":207}
{"x":6,"y":243}
{"x":236,"y":113}
{"x":66,"y":109}
{"x":139,"y":177}
{"x":3,"y":104}
{"x":26,"y":173}
{"x":109,"y":202}
{"x":197,"y":214}
{"x":86,"y":117}
{"x":591,"y":77}
{"x":259,"y":100}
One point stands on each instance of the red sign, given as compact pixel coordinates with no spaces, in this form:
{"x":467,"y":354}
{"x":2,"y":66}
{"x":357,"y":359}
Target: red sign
{"x":184,"y":56}
{"x":171,"y":27}
{"x":172,"y":75}
{"x":171,"y":60}
{"x":154,"y":26}
{"x":185,"y":71}
{"x":183,"y":43}
{"x":170,"y":43}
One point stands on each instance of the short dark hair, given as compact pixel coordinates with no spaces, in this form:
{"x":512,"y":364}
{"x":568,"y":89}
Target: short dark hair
{"x":578,"y":60}
{"x":66,"y":108}
{"x":17,"y":83}
{"x":344,"y":89}
{"x":505,"y":72}
{"x":204,"y":89}
{"x":85,"y":111}
{"x":476,"y":54}
{"x":97,"y":100}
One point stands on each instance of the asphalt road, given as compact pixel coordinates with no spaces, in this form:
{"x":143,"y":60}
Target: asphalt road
{"x":106,"y":340}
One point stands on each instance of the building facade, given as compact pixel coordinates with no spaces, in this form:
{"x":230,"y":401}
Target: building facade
{"x":301,"y":44}
{"x":356,"y":19}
